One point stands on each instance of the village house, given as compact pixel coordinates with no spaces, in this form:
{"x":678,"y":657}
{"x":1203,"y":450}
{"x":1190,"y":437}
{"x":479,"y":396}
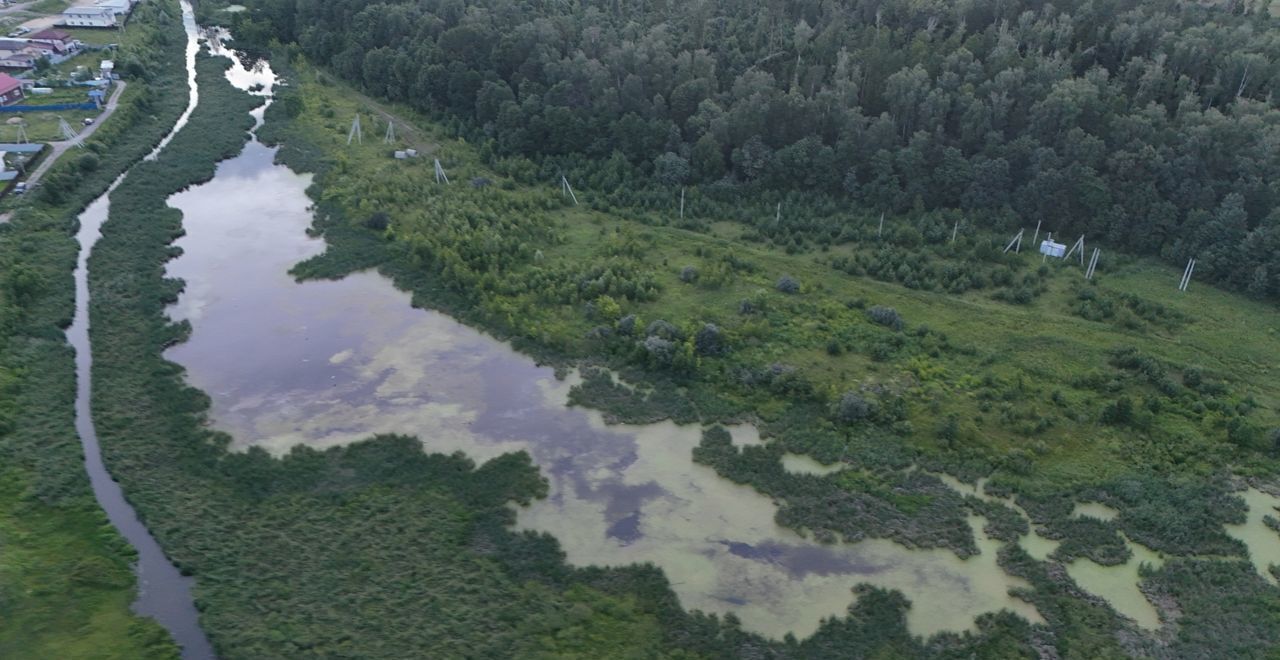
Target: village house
{"x":10,"y":89}
{"x":61,"y":42}
{"x":13,"y":60}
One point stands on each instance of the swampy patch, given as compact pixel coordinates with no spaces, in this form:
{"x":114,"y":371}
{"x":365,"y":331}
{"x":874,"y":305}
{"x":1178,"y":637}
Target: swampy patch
{"x":326,"y":363}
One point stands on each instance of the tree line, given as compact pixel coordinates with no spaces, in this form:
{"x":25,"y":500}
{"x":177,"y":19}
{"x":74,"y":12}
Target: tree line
{"x":1152,"y":125}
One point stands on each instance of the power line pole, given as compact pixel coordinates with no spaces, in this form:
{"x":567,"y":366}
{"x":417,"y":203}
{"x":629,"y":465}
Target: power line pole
{"x":69,"y":133}
{"x":1078,"y":244}
{"x":1186,"y":274}
{"x":440,"y":175}
{"x":1093,"y":264}
{"x":1016,"y":243}
{"x":565,"y":188}
{"x":355,"y":134}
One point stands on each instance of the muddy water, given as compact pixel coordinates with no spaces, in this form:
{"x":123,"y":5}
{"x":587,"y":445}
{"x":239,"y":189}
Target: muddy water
{"x":801,"y":464}
{"x":328,"y":363}
{"x":1263,"y":540}
{"x":163,"y":593}
{"x":1118,"y":585}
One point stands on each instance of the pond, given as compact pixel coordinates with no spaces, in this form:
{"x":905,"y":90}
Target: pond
{"x":334,"y":362}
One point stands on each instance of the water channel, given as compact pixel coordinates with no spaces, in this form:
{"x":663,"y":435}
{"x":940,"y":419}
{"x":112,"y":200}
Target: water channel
{"x":164,"y":594}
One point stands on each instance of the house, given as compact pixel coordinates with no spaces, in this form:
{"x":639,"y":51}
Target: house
{"x":36,"y":48}
{"x":88,"y":17}
{"x":10,"y":89}
{"x":12,"y":60}
{"x":60,"y":41}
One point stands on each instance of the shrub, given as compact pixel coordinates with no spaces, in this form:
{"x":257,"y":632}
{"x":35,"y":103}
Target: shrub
{"x":710,"y":341}
{"x":1119,"y":412}
{"x":665,"y":330}
{"x":688,"y":274}
{"x":378,"y":221}
{"x":852,"y":408}
{"x":886,"y":316}
{"x":658,"y":350}
{"x":87,"y":162}
{"x":788,"y":284}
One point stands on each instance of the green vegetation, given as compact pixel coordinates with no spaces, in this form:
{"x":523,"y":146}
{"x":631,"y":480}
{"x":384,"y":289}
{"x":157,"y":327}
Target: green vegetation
{"x":1142,"y":122}
{"x":873,"y":373}
{"x":884,"y":352}
{"x":375,"y":549}
{"x":99,"y":36}
{"x":65,"y":577}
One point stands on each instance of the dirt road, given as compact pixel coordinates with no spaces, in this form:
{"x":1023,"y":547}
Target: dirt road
{"x":61,"y":147}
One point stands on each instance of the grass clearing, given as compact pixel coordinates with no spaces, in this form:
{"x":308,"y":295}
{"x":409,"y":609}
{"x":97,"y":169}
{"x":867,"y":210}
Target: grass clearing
{"x":1027,"y":385}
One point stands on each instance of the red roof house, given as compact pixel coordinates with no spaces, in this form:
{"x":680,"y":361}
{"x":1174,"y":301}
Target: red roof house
{"x":10,"y":89}
{"x":59,"y":40}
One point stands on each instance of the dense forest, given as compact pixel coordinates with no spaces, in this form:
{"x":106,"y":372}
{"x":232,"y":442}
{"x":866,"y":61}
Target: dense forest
{"x":1151,"y":126}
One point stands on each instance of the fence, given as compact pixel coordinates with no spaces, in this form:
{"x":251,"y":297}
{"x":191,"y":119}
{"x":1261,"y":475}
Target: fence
{"x":56,"y":107}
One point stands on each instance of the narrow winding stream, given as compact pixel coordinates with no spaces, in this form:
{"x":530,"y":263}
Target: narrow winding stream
{"x":164,"y":594}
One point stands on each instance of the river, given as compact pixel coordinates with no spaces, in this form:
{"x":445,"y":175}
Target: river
{"x":164,"y":594}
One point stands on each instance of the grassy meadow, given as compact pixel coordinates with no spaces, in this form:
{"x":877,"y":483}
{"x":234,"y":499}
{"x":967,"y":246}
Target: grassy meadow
{"x":1021,"y":378}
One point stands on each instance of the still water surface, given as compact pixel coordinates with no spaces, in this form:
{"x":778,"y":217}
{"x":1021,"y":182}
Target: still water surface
{"x":328,"y":363}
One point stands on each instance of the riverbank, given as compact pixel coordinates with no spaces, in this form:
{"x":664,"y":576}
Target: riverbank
{"x":64,"y":571}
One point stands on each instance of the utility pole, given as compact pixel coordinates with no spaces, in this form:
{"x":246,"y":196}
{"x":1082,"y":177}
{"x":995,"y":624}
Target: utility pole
{"x":440,"y":175}
{"x":355,"y":134}
{"x":1016,"y":243}
{"x":565,"y":188}
{"x":682,"y":202}
{"x":1186,"y":274}
{"x":880,"y":232}
{"x":1093,"y":264}
{"x":1078,"y":244}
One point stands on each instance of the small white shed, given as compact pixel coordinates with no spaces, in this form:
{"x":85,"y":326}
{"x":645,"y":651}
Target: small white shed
{"x":1052,"y":249}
